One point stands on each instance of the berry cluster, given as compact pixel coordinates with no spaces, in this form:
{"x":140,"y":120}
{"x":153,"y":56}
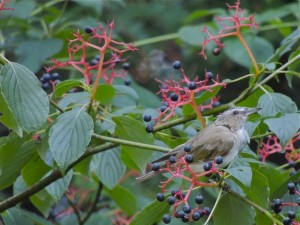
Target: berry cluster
{"x":183,"y":92}
{"x":47,"y":80}
{"x":181,"y":168}
{"x":277,"y":205}
{"x":271,"y":145}
{"x":99,"y":67}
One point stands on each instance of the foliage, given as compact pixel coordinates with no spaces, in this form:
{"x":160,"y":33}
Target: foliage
{"x":81,"y":129}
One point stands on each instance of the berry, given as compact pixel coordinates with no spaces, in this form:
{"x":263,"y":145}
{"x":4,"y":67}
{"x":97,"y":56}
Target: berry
{"x":192,"y":85}
{"x":207,"y":166}
{"x":179,"y":214}
{"x":165,"y":104}
{"x":88,"y":30}
{"x":187,"y":148}
{"x":46,"y":86}
{"x":217,"y":51}
{"x":94,"y":62}
{"x":174,"y":192}
{"x":147,"y":118}
{"x":219,"y":160}
{"x":55,"y":76}
{"x":199,"y":199}
{"x":163,"y":108}
{"x":277,"y":203}
{"x":197,"y":215}
{"x":209,"y":75}
{"x":287,"y":221}
{"x":127,"y":82}
{"x":171,"y":200}
{"x":188,"y":158}
{"x":185,"y":219}
{"x":166,"y":218}
{"x":216,"y":104}
{"x":160,"y":197}
{"x":155,"y":167}
{"x":207,"y":210}
{"x":126,"y":66}
{"x":292,"y":164}
{"x":177,"y":65}
{"x":173,"y":97}
{"x":291,"y":214}
{"x":42,"y":80}
{"x":298,"y":201}
{"x":97,"y":57}
{"x":172,"y":159}
{"x":187,"y":209}
{"x":149,"y":128}
{"x":47,"y":76}
{"x":291,"y":188}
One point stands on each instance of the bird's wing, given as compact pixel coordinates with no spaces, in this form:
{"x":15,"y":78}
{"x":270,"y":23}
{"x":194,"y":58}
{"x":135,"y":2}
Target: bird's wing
{"x":205,"y":144}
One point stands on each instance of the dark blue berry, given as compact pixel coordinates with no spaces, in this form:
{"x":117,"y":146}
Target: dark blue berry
{"x":197,"y":215}
{"x":187,"y":148}
{"x":42,"y":80}
{"x":171,"y":200}
{"x":126,"y":66}
{"x":277,"y":203}
{"x":292,"y":164}
{"x":155,"y":166}
{"x":172,"y":159}
{"x":185,"y":219}
{"x":174,"y":192}
{"x":174,"y":97}
{"x":160,"y":197}
{"x":179,"y":214}
{"x":55,"y":76}
{"x":192,"y":85}
{"x":165,"y":103}
{"x":298,"y":201}
{"x":88,"y":30}
{"x":287,"y":221}
{"x":46,"y":86}
{"x":188,"y":158}
{"x":149,"y":128}
{"x":199,"y":199}
{"x":217,"y":51}
{"x":163,"y":108}
{"x":187,"y":209}
{"x":127,"y":82}
{"x":97,"y":57}
{"x":167,"y":218}
{"x":94,"y":62}
{"x":47,"y":76}
{"x":207,"y":166}
{"x":216,"y":104}
{"x":219,"y":160}
{"x":291,"y":187}
{"x":147,"y":118}
{"x":177,"y":65}
{"x":207,"y":210}
{"x":209,"y":75}
{"x":291,"y":214}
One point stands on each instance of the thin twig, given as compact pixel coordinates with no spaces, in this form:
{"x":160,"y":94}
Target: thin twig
{"x":76,"y":210}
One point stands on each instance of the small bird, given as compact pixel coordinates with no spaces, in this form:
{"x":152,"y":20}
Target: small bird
{"x":225,"y":137}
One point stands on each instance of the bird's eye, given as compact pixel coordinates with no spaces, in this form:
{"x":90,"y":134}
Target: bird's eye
{"x":235,"y":112}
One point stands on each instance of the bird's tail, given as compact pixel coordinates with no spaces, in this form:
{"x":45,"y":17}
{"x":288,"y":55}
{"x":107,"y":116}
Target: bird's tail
{"x":146,"y":176}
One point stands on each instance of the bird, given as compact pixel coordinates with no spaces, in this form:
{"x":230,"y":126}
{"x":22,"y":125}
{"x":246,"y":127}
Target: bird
{"x":224,"y":137}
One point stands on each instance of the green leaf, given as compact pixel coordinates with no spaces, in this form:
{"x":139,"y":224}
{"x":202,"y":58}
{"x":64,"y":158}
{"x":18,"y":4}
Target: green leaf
{"x":152,"y":213}
{"x":133,"y":130}
{"x":241,"y":173}
{"x":233,"y":211}
{"x":33,"y":53}
{"x":110,"y":169}
{"x":285,"y":126}
{"x":57,"y":188}
{"x":14,"y":216}
{"x":260,"y":47}
{"x":24,"y":95}
{"x":13,"y":156}
{"x":79,"y":98}
{"x":253,"y":98}
{"x":7,"y":117}
{"x":293,"y":67}
{"x":70,"y":136}
{"x":273,"y":103}
{"x":105,"y":94}
{"x":125,"y":199}
{"x":65,"y":86}
{"x":124,"y":96}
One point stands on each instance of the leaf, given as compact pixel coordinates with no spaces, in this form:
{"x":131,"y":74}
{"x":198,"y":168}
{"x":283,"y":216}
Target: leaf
{"x":133,"y":130}
{"x":13,"y":156}
{"x":14,"y":216}
{"x":241,"y":173}
{"x":295,"y":66}
{"x":253,"y":98}
{"x":70,"y":136}
{"x":79,"y":98}
{"x":273,"y":103}
{"x":7,"y":117}
{"x":24,"y":95}
{"x":65,"y":86}
{"x":152,"y":213}
{"x":260,"y":47}
{"x":109,"y":167}
{"x":32,"y":53}
{"x":124,"y":96}
{"x":124,"y":199}
{"x":57,"y":188}
{"x":233,"y":211}
{"x":285,"y":126}
{"x":105,"y":94}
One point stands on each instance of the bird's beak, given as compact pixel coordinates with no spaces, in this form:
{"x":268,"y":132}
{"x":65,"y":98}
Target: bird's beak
{"x":252,"y":110}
